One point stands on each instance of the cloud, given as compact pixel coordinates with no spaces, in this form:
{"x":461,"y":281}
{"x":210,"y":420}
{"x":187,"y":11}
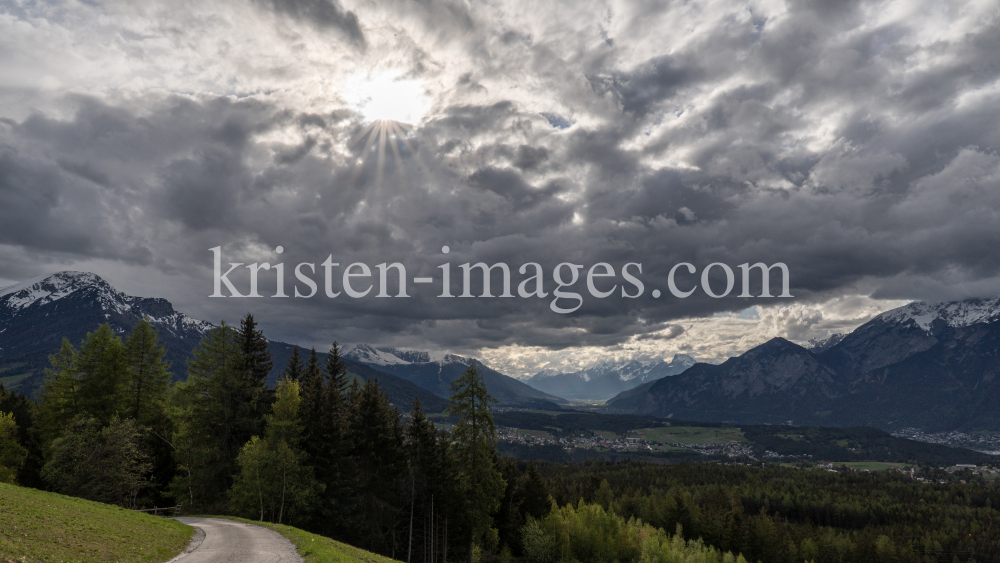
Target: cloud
{"x":856,"y":145}
{"x":320,"y":13}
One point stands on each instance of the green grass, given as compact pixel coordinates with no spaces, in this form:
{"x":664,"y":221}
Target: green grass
{"x":690,"y":435}
{"x":872,"y":465}
{"x":11,"y":381}
{"x":605,"y":434}
{"x":40,"y":526}
{"x":319,"y":549}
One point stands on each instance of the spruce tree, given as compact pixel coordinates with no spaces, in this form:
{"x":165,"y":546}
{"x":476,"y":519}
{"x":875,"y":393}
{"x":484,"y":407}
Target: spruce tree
{"x":212,"y":420}
{"x":537,"y":503}
{"x":312,"y":402}
{"x":148,"y":379}
{"x":293,"y":370}
{"x":336,"y":468}
{"x":376,"y":437}
{"x":257,"y":364}
{"x":474,"y":438}
{"x":89,"y":380}
{"x":145,"y":395}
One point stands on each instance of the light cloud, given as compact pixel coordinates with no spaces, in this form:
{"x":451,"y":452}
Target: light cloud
{"x":856,"y":142}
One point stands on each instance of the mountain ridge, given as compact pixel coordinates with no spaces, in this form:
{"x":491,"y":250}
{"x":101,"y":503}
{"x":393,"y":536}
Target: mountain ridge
{"x":36,"y":315}
{"x":930,"y":366}
{"x":435,"y":372}
{"x":607,"y":378}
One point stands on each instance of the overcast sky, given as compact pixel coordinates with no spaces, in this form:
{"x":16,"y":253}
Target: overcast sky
{"x":854,"y":141}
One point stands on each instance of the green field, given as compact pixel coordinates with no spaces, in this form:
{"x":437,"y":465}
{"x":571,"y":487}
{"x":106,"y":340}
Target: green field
{"x":873,"y":465}
{"x":40,"y":526}
{"x":605,"y":434}
{"x":319,"y":549}
{"x":11,"y":381}
{"x":690,"y":435}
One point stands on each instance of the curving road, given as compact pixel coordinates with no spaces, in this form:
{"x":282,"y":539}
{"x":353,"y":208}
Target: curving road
{"x":226,"y":541}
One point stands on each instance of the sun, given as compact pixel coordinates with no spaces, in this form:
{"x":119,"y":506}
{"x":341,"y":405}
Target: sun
{"x":387,"y":97}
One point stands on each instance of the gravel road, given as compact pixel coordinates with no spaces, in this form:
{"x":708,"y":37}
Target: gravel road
{"x":226,"y":541}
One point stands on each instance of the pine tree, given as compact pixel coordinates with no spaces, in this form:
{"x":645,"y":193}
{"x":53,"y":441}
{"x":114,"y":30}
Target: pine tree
{"x":212,"y":418}
{"x":89,"y":380}
{"x":376,"y":438}
{"x":475,"y":438}
{"x":537,"y":503}
{"x":334,"y":466}
{"x":148,"y":379}
{"x":312,"y":400}
{"x":293,"y":370}
{"x":256,"y":366}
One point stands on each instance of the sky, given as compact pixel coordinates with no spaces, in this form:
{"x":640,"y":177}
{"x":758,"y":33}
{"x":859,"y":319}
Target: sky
{"x":855,"y":142}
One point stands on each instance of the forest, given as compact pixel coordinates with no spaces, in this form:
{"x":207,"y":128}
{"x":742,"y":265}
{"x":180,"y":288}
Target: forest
{"x":326,"y":453}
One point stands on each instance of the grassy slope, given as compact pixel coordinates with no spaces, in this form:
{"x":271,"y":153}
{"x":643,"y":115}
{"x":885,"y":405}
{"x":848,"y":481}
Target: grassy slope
{"x":40,"y":526}
{"x":319,"y":549}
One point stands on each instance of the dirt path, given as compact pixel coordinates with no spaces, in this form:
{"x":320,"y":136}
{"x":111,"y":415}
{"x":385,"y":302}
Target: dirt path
{"x":226,"y":541}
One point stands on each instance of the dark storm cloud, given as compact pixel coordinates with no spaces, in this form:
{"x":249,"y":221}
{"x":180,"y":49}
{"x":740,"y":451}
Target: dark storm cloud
{"x":320,"y":13}
{"x":862,"y":156}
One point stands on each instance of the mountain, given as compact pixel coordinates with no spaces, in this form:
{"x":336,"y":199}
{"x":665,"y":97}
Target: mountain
{"x":37,"y":314}
{"x":928,"y":366}
{"x":606,"y":379}
{"x":400,"y":391}
{"x":436,"y":371}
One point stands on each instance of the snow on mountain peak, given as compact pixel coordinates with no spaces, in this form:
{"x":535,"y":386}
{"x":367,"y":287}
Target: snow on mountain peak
{"x":683,"y":359}
{"x":954,"y":314}
{"x":369,"y":354}
{"x":49,"y":288}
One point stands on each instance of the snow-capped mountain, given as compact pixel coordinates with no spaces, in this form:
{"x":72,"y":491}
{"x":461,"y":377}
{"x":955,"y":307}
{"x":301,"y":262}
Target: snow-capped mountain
{"x":954,"y":314}
{"x":929,"y":366}
{"x":436,"y":370}
{"x":817,"y":346}
{"x":37,"y":314}
{"x":607,"y":378}
{"x":387,"y":356}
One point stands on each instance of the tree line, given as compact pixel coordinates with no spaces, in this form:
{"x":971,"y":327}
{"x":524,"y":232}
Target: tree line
{"x":320,"y":450}
{"x":325,"y":452}
{"x":788,"y":515}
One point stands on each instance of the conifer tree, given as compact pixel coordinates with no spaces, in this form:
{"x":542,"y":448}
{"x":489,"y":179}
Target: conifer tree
{"x":257,"y":364}
{"x":537,"y":503}
{"x":334,"y":467}
{"x":148,"y":379}
{"x":376,"y":438}
{"x":86,"y":381}
{"x":312,"y":399}
{"x":293,"y":370}
{"x":213,"y":422}
{"x":474,"y":438}
{"x":273,"y":482}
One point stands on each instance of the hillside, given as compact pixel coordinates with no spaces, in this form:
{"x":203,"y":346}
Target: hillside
{"x":40,"y":526}
{"x":37,"y":314}
{"x":436,"y":372}
{"x":400,"y":391}
{"x":607,"y":378}
{"x":932,"y":367}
